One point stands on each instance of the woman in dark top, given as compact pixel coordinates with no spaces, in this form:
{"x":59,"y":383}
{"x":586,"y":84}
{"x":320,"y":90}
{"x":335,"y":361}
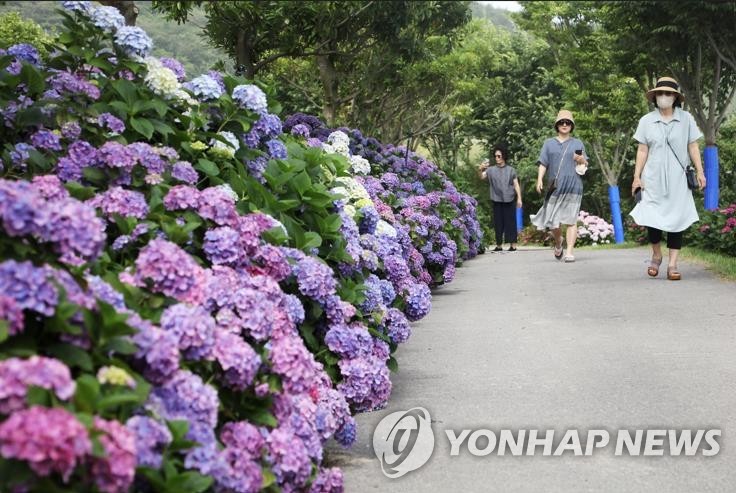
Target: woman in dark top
{"x":505,"y":194}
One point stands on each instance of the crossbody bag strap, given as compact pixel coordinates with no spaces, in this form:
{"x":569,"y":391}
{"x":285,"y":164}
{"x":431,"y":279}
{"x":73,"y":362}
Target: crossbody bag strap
{"x":676,"y":157}
{"x":561,"y":159}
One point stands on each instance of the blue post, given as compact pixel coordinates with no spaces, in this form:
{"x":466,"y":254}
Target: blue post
{"x":710,"y":200}
{"x":519,"y":218}
{"x":615,"y":199}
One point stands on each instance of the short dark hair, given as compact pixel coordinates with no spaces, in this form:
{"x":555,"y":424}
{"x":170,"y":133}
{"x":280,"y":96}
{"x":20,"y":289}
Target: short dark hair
{"x":502,"y":149}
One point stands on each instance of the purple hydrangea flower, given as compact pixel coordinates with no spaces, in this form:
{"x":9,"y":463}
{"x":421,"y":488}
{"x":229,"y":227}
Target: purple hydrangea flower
{"x":158,"y":350}
{"x":276,"y":149}
{"x":114,"y":472}
{"x":184,"y":172}
{"x":112,"y":122}
{"x":237,"y":358}
{"x":116,"y":155}
{"x":45,"y":139}
{"x":29,"y":286}
{"x":20,"y":154}
{"x":170,"y":270}
{"x":293,"y":362}
{"x":349,"y":341}
{"x":12,"y":314}
{"x":327,"y":481}
{"x":223,"y":246}
{"x":418,"y":301}
{"x":71,"y":130}
{"x":151,"y":437}
{"x":181,"y":197}
{"x":242,"y":472}
{"x":315,"y":278}
{"x":194,"y":329}
{"x":175,"y":66}
{"x":16,"y":375}
{"x":116,"y":200}
{"x":77,"y":6}
{"x":73,"y":84}
{"x":365,"y":384}
{"x":48,"y":439}
{"x":26,"y":53}
{"x":288,"y":457}
{"x":397,"y":325}
{"x":186,"y":396}
{"x":300,"y":130}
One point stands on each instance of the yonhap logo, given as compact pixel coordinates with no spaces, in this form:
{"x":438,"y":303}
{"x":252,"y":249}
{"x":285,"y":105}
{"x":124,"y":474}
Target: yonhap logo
{"x":403,"y":441}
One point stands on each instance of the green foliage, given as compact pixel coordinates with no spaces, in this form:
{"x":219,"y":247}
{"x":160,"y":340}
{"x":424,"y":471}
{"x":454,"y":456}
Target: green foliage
{"x":184,"y":42}
{"x":14,"y":29}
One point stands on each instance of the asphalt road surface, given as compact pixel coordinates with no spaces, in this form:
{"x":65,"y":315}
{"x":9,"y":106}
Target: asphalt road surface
{"x":520,"y":341}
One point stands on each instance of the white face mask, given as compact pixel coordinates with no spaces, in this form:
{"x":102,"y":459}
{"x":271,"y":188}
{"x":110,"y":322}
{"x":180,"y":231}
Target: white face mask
{"x":664,"y":101}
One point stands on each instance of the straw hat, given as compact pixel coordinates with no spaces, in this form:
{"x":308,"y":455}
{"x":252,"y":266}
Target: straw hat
{"x":666,"y":84}
{"x":564,"y":115}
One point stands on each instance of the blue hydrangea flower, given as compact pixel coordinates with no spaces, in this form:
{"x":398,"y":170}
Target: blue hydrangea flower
{"x":134,"y":41}
{"x":250,"y":97}
{"x":109,"y":19}
{"x":204,"y":88}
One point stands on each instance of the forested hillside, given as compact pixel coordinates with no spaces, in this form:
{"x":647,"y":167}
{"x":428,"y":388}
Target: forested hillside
{"x":182,"y":42}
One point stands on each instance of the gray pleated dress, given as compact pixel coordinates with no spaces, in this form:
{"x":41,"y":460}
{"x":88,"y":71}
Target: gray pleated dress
{"x":563,"y":206}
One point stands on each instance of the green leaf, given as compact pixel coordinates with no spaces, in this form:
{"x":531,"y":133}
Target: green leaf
{"x":301,"y":183}
{"x":207,"y":167}
{"x":311,"y":240}
{"x":38,"y":396}
{"x":120,"y":345}
{"x":118,"y":399}
{"x":32,"y":78}
{"x":142,"y":126}
{"x":263,"y":417}
{"x":72,"y":355}
{"x":392,"y":364}
{"x":127,"y":90}
{"x":189,"y":481}
{"x":4,"y":330}
{"x":87,"y":393}
{"x":178,"y":428}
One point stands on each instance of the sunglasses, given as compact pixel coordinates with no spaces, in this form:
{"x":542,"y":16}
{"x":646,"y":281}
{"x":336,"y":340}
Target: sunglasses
{"x":565,"y":122}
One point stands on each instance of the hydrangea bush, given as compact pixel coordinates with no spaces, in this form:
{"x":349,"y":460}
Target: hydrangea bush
{"x":191,"y":298}
{"x":409,"y":192}
{"x":715,"y":231}
{"x":593,"y":230}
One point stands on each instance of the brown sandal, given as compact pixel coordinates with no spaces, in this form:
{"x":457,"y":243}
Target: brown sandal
{"x":653,"y":269}
{"x":673,"y":274}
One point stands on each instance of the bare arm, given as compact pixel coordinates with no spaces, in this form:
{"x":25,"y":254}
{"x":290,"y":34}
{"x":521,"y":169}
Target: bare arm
{"x":694,"y":150}
{"x":642,"y":152}
{"x":540,"y":176}
{"x":517,"y":189}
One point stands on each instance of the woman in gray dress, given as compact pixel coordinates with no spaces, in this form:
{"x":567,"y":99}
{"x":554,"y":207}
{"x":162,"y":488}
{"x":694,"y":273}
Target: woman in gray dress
{"x":505,"y":195}
{"x":668,"y":142}
{"x":562,"y":160}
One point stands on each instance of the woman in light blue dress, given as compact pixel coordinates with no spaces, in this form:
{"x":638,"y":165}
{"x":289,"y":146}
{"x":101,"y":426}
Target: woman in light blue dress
{"x":558,"y":161}
{"x":668,"y":142}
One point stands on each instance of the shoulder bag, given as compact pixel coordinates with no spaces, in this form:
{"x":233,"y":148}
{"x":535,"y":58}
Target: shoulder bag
{"x":692,"y":181}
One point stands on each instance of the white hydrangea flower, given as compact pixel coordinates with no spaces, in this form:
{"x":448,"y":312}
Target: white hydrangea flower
{"x":350,"y":210}
{"x":160,"y":79}
{"x":328,"y":148}
{"x":355,"y":190}
{"x":222,"y":149}
{"x":339,"y":138}
{"x":360,"y":165}
{"x":342,"y":191}
{"x":384,"y":228}
{"x":228,"y":190}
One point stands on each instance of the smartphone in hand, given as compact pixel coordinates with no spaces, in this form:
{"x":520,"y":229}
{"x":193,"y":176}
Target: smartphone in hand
{"x":637,"y":195}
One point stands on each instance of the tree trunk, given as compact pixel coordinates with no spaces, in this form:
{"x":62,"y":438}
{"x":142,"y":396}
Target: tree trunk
{"x":329,"y":85}
{"x":244,"y":61}
{"x":127,"y":8}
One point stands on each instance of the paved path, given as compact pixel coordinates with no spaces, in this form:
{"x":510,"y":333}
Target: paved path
{"x":521,"y":341}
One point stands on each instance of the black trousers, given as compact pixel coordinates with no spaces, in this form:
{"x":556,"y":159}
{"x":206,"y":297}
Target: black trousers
{"x":674,"y":240}
{"x":504,"y":221}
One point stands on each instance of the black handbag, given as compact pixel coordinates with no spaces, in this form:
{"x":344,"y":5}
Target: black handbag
{"x":692,"y":181}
